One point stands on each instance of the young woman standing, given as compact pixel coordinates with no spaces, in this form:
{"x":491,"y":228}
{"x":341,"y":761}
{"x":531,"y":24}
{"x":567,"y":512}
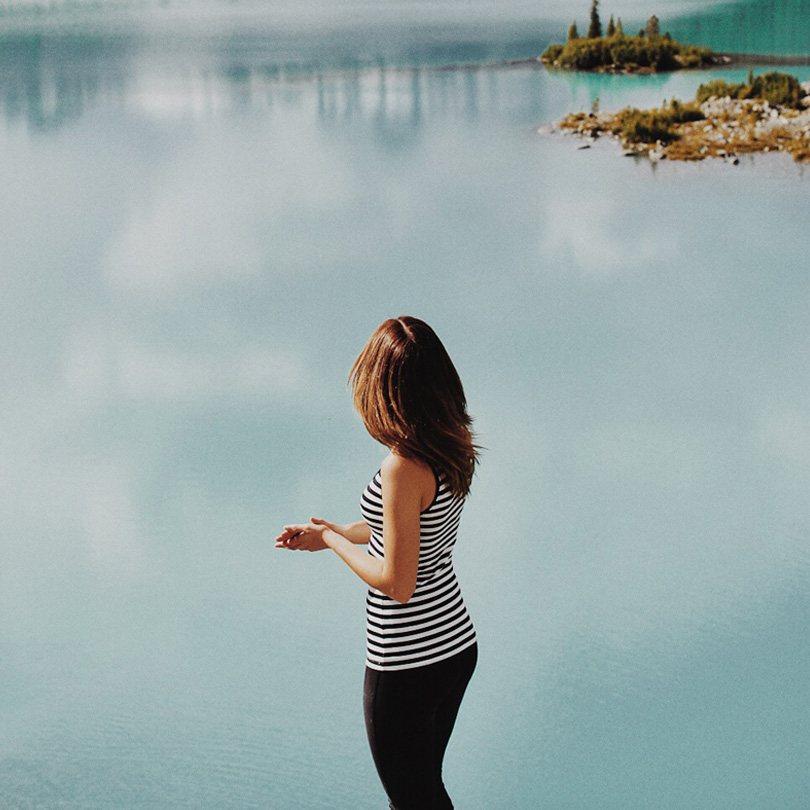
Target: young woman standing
{"x":422,"y":646}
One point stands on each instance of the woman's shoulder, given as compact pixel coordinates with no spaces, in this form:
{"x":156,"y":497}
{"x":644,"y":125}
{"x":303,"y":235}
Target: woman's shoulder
{"x":395,"y":464}
{"x":412,"y":473}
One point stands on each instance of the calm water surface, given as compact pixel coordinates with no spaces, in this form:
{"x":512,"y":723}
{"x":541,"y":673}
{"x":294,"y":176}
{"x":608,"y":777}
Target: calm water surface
{"x":197,"y":240}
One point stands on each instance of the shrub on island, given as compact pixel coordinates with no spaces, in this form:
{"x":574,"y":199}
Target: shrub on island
{"x":651,"y":126}
{"x":718,"y":88}
{"x":780,"y":89}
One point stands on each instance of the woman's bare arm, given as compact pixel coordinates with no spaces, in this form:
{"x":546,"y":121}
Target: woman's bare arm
{"x":358,"y":533}
{"x":404,"y":492}
{"x":407,"y":487}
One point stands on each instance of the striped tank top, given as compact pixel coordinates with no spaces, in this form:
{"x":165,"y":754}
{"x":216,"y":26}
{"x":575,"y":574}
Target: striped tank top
{"x":434,"y":624}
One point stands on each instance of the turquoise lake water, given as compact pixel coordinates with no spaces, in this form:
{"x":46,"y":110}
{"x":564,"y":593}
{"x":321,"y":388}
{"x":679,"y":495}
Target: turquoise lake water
{"x":199,"y":230}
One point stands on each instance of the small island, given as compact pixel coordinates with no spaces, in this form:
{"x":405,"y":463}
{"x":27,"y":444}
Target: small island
{"x":647,"y":52}
{"x":768,"y":113}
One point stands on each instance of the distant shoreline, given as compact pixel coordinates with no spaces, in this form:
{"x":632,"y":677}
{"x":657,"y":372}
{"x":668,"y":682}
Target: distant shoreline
{"x":792,"y":60}
{"x":723,"y":60}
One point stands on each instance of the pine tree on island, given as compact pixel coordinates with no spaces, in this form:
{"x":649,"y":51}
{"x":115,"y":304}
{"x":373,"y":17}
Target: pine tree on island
{"x":595,"y":28}
{"x":572,"y":32}
{"x":619,"y":30}
{"x":611,"y":29}
{"x":653,"y":28}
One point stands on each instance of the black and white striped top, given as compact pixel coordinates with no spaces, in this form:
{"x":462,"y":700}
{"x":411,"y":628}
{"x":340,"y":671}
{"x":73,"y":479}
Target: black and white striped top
{"x":434,"y":624}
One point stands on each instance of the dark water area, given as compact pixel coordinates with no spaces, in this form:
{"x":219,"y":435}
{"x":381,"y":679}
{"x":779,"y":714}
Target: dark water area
{"x":760,"y":27}
{"x":295,"y":49}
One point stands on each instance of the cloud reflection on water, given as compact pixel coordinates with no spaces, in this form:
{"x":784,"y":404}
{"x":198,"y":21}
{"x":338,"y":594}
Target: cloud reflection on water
{"x":602,"y":252}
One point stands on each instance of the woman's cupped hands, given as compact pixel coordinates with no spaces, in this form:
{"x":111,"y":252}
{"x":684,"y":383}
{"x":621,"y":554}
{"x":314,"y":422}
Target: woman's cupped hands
{"x":305,"y":536}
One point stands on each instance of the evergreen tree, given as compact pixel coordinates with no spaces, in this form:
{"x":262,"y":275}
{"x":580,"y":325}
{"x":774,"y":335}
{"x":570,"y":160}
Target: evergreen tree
{"x":653,"y":29}
{"x":572,"y":32}
{"x":619,"y":29}
{"x":595,"y":28}
{"x":750,"y":76}
{"x":641,"y":33}
{"x":611,"y":29}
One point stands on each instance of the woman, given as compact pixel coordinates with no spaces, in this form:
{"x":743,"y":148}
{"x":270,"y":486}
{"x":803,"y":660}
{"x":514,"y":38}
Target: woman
{"x":422,"y":646}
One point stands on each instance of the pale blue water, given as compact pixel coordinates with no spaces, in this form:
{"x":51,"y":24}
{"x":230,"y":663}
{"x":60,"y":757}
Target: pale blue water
{"x":197,"y":240}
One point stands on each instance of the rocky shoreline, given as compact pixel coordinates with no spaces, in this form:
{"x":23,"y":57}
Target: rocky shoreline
{"x":723,"y":127}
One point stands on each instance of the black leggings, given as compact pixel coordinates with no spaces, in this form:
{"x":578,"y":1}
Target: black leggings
{"x":410,"y":715}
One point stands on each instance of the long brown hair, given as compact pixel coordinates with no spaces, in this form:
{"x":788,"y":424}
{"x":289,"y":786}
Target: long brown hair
{"x":410,"y":397}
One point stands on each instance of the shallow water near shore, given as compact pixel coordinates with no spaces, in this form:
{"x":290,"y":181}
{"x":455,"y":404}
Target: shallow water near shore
{"x":196,"y":243}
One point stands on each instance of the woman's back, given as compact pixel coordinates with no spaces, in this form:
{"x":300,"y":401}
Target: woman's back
{"x":434,"y":623}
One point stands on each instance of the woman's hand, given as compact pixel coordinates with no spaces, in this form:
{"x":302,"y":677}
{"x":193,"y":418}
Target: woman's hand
{"x":303,"y":536}
{"x":310,"y":536}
